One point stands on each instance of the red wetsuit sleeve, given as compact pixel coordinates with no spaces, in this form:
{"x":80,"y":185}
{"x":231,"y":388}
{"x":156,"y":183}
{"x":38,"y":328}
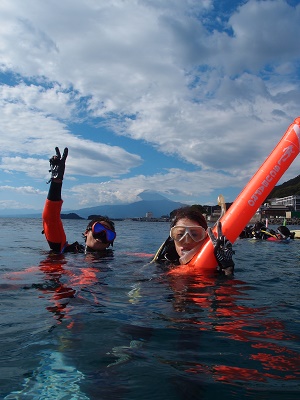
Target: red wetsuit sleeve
{"x":53,"y":227}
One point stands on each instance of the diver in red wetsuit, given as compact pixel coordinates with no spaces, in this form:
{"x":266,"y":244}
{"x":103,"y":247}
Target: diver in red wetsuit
{"x":100,"y":232}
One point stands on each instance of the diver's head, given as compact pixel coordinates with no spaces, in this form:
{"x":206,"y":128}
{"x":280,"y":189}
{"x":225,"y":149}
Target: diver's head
{"x":191,"y":212}
{"x":99,"y":234}
{"x":283,"y":232}
{"x":188,"y":229}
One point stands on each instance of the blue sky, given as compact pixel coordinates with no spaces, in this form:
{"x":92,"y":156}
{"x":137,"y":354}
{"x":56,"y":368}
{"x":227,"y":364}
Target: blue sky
{"x":184,"y":97}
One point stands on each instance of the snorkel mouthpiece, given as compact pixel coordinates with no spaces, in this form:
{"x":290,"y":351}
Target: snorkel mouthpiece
{"x":103,"y":233}
{"x":188,"y":255}
{"x":101,"y":236}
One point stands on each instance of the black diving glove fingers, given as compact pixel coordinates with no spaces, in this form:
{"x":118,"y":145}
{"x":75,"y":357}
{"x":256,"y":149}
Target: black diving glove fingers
{"x":224,"y":254}
{"x":222,"y":249}
{"x":58,"y":164}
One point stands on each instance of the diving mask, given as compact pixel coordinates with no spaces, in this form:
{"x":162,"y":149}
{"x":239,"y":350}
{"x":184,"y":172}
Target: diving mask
{"x":196,"y":233}
{"x":103,"y":233}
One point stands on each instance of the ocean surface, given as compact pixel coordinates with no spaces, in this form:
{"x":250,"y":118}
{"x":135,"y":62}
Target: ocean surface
{"x":81,"y":327}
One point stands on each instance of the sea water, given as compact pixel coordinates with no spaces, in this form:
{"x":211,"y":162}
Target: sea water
{"x":81,"y":327}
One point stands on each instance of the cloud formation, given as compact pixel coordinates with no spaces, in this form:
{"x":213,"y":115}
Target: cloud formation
{"x":211,"y":88}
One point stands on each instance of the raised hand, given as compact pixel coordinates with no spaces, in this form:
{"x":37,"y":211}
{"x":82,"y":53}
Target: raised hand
{"x":222,"y":249}
{"x":57,"y":165}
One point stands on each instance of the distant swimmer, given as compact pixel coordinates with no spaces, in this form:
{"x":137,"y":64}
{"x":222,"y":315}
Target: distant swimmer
{"x":260,"y":231}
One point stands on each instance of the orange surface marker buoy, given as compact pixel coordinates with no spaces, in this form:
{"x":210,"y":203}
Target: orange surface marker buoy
{"x":250,"y":199}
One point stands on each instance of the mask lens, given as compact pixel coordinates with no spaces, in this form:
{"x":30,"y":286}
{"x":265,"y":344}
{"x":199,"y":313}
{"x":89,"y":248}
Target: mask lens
{"x":100,"y":230}
{"x":197,"y":233}
{"x":177,"y":233}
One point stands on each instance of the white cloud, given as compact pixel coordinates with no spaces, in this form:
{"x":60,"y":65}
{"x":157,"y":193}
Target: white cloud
{"x":156,"y":72}
{"x":25,"y":197}
{"x":14,"y":205}
{"x":52,"y":101}
{"x":265,"y":32}
{"x":22,"y":190}
{"x":118,"y":191}
{"x":29,"y":126}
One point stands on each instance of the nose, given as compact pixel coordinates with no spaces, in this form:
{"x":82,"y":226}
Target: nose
{"x":186,"y":238}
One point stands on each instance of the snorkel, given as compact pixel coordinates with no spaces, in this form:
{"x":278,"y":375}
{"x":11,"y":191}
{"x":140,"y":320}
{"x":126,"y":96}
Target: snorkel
{"x":222,"y":204}
{"x":101,"y":236}
{"x":190,"y":254}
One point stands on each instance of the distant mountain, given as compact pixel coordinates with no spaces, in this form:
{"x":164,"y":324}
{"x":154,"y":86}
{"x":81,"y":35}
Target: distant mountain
{"x":151,"y":201}
{"x":289,"y":188}
{"x":150,"y":195}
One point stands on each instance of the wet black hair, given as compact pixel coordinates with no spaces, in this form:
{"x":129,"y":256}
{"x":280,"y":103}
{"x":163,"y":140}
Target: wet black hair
{"x":284,"y":231}
{"x":100,"y":218}
{"x":190,"y":212}
{"x":258,"y":226}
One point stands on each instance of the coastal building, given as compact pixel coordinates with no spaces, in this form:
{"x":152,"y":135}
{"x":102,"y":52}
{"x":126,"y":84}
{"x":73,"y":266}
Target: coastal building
{"x":281,"y":207}
{"x":293,"y":202}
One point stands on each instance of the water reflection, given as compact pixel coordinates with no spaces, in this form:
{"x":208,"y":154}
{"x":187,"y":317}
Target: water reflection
{"x":139,"y":333}
{"x":62,"y":281}
{"x":258,"y":345}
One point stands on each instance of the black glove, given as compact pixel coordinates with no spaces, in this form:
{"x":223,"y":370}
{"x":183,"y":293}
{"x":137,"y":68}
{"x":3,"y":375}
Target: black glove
{"x":57,"y":164}
{"x":222,"y":250}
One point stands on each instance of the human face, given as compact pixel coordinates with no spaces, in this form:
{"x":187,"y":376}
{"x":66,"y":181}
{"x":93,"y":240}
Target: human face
{"x":187,"y":243}
{"x":96,"y":243}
